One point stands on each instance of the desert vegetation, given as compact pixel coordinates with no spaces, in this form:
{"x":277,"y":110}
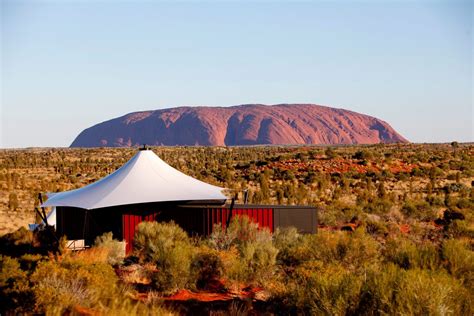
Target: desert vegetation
{"x":395,"y":235}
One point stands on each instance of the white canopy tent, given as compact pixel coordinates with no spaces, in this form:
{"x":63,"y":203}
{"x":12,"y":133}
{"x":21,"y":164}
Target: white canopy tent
{"x":143,"y":179}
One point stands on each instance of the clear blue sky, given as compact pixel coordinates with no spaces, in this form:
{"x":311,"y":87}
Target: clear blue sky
{"x":67,"y":65}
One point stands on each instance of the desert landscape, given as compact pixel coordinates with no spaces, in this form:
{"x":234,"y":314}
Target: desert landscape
{"x":236,"y":158}
{"x":385,"y":214}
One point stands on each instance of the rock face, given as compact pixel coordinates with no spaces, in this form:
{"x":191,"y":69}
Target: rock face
{"x":250,"y":124}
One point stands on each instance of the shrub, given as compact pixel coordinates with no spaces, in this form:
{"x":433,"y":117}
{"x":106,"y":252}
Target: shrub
{"x":420,"y":210}
{"x":124,"y":306}
{"x":15,"y":291}
{"x":61,"y":285}
{"x":422,"y":292}
{"x":331,"y":290}
{"x":459,"y":229}
{"x":169,"y":247}
{"x":379,"y":290}
{"x":459,"y":261}
{"x":407,"y":255}
{"x":288,"y":242}
{"x":353,"y":250}
{"x":255,"y":247}
{"x":206,"y":266}
{"x":334,"y":291}
{"x":391,"y":290}
{"x":339,"y":212}
{"x":115,"y":248}
{"x":221,"y":239}
{"x":29,"y":262}
{"x":17,"y":243}
{"x":378,"y":206}
{"x":376,"y":228}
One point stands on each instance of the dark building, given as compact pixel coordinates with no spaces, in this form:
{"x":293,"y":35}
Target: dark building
{"x":148,"y":189}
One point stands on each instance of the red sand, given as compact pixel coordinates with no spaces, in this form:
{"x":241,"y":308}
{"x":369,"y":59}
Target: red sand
{"x":184,"y":295}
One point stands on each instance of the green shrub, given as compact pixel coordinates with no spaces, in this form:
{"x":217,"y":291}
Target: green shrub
{"x":334,"y":291}
{"x":338,"y":212}
{"x":379,"y":290}
{"x":378,"y":206}
{"x":408,"y":255}
{"x":459,"y":261}
{"x":61,"y":285}
{"x":420,"y":210}
{"x":352,"y":250}
{"x":459,"y":229}
{"x":331,"y":290}
{"x":124,"y":306}
{"x":391,"y":290}
{"x":288,"y":242}
{"x":422,"y":292}
{"x":376,"y":228}
{"x":221,"y":238}
{"x":206,"y":266}
{"x":115,"y":248}
{"x":17,"y":243}
{"x":29,"y":262}
{"x":255,"y":247}
{"x":170,"y":248}
{"x":15,"y":290}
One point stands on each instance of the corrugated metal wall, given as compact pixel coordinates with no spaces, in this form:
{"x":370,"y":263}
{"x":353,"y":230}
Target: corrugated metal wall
{"x":192,"y":219}
{"x":198,"y":220}
{"x":130,"y":221}
{"x":220,"y":215}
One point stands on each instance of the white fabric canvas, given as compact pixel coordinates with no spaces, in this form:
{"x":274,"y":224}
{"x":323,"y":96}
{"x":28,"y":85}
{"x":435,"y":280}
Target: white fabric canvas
{"x":143,"y":179}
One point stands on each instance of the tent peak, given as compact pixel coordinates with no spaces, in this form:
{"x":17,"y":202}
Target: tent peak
{"x":145,"y":178}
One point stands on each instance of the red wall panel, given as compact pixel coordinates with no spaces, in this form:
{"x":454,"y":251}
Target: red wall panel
{"x":209,"y":217}
{"x":262,"y":216}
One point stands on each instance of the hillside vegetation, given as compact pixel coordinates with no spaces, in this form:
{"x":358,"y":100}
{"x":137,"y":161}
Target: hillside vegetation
{"x":395,"y":234}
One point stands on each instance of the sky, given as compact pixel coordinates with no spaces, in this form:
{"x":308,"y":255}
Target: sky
{"x":67,"y":65}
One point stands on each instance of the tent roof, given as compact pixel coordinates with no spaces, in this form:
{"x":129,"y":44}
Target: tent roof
{"x":143,"y":179}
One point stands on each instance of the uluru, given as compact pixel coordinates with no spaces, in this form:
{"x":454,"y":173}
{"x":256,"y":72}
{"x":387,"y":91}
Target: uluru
{"x":249,"y":124}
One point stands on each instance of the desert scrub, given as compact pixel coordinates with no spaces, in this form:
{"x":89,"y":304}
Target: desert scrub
{"x":419,"y":209}
{"x":168,"y":246}
{"x":257,"y":254}
{"x":115,"y":249}
{"x":460,"y":229}
{"x":124,"y":306}
{"x":60,"y":285}
{"x":378,"y":290}
{"x":459,"y":260}
{"x":353,"y":250}
{"x":320,"y":290}
{"x":333,"y":291}
{"x":288,"y":242}
{"x":391,"y":290}
{"x":15,"y":289}
{"x":206,"y":266}
{"x":339,"y":212}
{"x":408,"y":255}
{"x":422,"y":292}
{"x":17,"y":243}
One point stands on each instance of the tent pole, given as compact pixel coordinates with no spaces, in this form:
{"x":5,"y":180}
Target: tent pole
{"x":230,"y":211}
{"x":40,"y":197}
{"x":40,"y":215}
